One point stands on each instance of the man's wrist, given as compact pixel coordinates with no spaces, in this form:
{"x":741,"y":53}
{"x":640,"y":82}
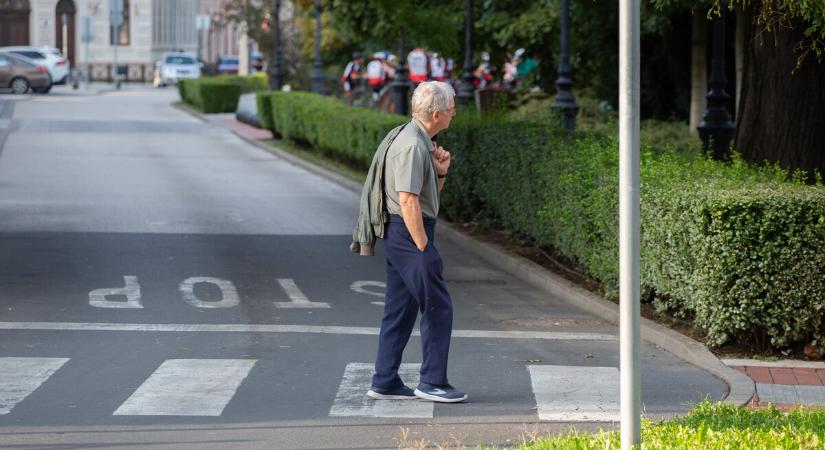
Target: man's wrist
{"x":442,"y":175}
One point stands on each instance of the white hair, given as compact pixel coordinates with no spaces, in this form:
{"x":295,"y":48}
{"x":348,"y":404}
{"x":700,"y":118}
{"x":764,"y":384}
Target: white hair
{"x":429,"y":97}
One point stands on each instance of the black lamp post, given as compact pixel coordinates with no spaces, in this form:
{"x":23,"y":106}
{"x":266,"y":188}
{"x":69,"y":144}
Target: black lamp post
{"x":716,"y":129}
{"x":466,"y":90}
{"x":318,"y":77}
{"x":276,"y":76}
{"x":565,"y":100}
{"x":401,"y":84}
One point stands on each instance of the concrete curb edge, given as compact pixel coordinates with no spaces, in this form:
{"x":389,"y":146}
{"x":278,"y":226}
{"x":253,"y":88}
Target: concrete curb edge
{"x":741,"y":388}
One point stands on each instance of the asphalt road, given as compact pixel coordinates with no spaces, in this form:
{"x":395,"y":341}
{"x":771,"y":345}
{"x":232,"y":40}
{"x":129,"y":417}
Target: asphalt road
{"x":164,"y":284}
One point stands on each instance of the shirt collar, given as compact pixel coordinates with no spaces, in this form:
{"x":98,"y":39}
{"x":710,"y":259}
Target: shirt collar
{"x":422,"y":130}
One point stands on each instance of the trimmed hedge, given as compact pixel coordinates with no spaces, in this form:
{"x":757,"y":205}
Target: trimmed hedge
{"x":326,"y":123}
{"x":737,"y":250}
{"x":219,"y":93}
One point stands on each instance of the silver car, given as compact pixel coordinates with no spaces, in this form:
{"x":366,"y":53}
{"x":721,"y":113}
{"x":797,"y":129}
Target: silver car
{"x":176,"y":66}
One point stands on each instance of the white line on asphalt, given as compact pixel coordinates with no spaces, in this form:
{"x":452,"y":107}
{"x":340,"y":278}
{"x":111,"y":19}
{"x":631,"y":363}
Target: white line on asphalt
{"x":352,"y":399}
{"x":188,"y":387}
{"x":19,"y":377}
{"x":268,"y":328}
{"x":576,"y":393}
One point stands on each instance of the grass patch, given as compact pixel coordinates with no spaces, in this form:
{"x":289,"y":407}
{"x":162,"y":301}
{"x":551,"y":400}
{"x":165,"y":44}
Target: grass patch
{"x":710,"y":426}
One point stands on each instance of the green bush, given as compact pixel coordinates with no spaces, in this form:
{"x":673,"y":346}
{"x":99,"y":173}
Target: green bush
{"x":219,"y":93}
{"x":328,"y":124}
{"x":737,"y":250}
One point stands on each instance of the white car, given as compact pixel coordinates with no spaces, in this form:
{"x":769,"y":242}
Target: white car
{"x":55,"y":62}
{"x":174,"y":67}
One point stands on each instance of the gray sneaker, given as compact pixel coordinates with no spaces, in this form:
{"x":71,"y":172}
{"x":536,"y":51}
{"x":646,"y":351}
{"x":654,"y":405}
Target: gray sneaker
{"x":400,"y":393}
{"x":444,"y":393}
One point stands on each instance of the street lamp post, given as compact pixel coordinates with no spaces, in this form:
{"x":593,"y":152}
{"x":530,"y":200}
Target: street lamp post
{"x":565,"y":100}
{"x":276,"y":78}
{"x":318,"y":77}
{"x":401,"y":84}
{"x":716,"y":129}
{"x":466,"y":90}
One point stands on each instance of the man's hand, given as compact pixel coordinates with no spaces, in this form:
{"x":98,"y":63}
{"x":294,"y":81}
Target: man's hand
{"x":442,"y":160}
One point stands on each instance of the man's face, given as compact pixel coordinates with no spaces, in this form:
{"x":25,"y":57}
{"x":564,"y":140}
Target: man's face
{"x":443,"y":118}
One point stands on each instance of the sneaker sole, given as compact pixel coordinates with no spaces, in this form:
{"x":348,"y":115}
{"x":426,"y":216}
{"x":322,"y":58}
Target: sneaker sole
{"x":377,"y":396}
{"x":435,"y":398}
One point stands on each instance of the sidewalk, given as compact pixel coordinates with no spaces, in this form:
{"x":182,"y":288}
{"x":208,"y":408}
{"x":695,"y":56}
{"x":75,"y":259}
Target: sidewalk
{"x":784,"y":383}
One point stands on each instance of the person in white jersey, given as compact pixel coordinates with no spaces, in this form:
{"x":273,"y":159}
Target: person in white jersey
{"x":417,"y":62}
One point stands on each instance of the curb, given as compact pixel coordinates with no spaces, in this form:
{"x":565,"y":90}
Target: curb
{"x":740,"y":387}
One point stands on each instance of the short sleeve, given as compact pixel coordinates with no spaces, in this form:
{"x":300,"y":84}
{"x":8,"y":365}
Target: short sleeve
{"x":408,"y":169}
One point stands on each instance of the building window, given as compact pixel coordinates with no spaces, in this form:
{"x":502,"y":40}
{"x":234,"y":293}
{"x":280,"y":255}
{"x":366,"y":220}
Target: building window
{"x":123,"y":35}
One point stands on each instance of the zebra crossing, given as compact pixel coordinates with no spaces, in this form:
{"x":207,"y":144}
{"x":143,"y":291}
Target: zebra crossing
{"x":204,"y":387}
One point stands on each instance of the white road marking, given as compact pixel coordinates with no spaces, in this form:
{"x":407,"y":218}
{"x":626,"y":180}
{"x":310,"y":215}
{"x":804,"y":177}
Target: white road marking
{"x":229,"y":295}
{"x":576,"y":393}
{"x":268,"y":328}
{"x":19,"y":377}
{"x":131,"y":289}
{"x":785,"y":393}
{"x":296,"y":297}
{"x":359,"y":287}
{"x":352,"y":399}
{"x":188,"y":387}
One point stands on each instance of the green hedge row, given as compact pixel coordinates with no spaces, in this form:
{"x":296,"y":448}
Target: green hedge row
{"x":219,"y":93}
{"x":738,"y":251}
{"x":326,"y":123}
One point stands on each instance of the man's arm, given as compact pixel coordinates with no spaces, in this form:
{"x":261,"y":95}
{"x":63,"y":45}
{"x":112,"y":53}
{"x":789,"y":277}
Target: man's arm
{"x":413,"y":219}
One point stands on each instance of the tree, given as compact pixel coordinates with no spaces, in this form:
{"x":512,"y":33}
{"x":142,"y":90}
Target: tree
{"x":782,"y":100}
{"x":782,"y":107}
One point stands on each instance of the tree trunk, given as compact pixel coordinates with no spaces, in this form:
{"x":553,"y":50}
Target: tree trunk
{"x":698,"y":71}
{"x":782,"y":110}
{"x":739,"y":54}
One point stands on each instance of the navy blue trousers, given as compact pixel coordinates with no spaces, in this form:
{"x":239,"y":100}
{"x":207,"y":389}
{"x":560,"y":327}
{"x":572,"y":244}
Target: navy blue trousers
{"x":415,"y":282}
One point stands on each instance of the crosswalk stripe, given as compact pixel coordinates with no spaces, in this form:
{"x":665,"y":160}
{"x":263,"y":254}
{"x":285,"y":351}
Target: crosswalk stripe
{"x":19,"y":377}
{"x":188,"y":387}
{"x":352,"y":399}
{"x":576,"y":393}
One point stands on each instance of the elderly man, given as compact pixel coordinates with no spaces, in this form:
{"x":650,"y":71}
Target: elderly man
{"x":414,"y":171}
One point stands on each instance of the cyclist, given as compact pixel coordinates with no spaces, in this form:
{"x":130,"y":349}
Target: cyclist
{"x":438,"y":68}
{"x":377,"y":72}
{"x":352,"y":72}
{"x":418,"y":62}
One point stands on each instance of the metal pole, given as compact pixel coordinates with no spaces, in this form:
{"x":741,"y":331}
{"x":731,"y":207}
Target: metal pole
{"x":565,"y":100}
{"x":318,"y":77}
{"x":716,"y":128}
{"x":276,"y":78}
{"x":116,"y":37}
{"x":466,"y":90}
{"x":401,"y":84}
{"x":629,"y":335}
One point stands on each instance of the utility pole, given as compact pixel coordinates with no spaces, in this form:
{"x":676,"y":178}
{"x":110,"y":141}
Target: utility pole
{"x":629,"y":298}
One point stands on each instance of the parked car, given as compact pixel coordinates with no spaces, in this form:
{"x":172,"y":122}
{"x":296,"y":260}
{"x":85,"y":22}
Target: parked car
{"x":174,"y":67}
{"x":228,"y":64}
{"x":51,"y":57}
{"x":20,"y":74}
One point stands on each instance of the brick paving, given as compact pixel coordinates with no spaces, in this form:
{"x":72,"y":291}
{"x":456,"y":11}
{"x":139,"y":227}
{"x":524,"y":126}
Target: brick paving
{"x":248,"y":131}
{"x":783,"y":385}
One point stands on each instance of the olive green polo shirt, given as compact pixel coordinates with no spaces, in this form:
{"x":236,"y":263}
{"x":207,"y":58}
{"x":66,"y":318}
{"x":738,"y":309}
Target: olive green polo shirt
{"x":410,"y":168}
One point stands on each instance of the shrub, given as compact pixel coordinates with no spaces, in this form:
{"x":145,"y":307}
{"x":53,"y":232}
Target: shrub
{"x":738,"y":250}
{"x":219,"y":93}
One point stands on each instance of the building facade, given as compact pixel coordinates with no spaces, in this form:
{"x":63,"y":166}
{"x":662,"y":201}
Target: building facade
{"x":83,"y":30}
